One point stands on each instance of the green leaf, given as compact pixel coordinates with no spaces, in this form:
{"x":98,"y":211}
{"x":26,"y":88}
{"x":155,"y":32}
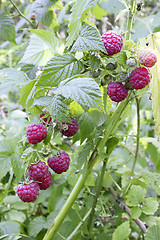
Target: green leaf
{"x":83,"y":153}
{"x":13,"y":76}
{"x":7,"y":29}
{"x":122,"y":231}
{"x":88,"y":39}
{"x":79,"y":14}
{"x":111,"y":144}
{"x":58,"y":109}
{"x":36,"y":225}
{"x":42,"y":46}
{"x":83,"y":90}
{"x":98,"y":12}
{"x":26,"y":92}
{"x":10,"y":228}
{"x":136,"y":212}
{"x":60,"y":68}
{"x":75,"y":109}
{"x":43,"y":101}
{"x":30,"y":70}
{"x":17,"y":165}
{"x":97,"y":116}
{"x":94,"y":62}
{"x":86,"y":126}
{"x":150,"y":206}
{"x":5,"y":162}
{"x":135,"y":195}
{"x":40,"y":9}
{"x":112,"y":6}
{"x":153,"y":233}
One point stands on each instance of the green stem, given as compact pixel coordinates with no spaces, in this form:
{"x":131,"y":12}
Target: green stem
{"x":138,"y":134}
{"x":99,"y":186}
{"x":22,"y":15}
{"x":130,"y":19}
{"x":80,"y":183}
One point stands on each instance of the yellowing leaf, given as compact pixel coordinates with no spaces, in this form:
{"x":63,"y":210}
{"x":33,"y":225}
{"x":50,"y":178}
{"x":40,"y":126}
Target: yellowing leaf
{"x":154,"y":42}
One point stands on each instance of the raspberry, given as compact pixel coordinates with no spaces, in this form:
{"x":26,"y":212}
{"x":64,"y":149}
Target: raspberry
{"x":28,"y":192}
{"x":60,"y":163}
{"x":113,"y":42}
{"x":38,"y":170}
{"x":116,"y":91}
{"x":33,"y":16}
{"x":72,"y":128}
{"x":45,"y":120}
{"x":148,"y":57}
{"x":36,"y":133}
{"x":45,"y":181}
{"x":139,"y":78}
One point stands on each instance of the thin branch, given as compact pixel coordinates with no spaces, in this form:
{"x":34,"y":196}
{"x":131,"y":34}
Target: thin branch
{"x":99,"y":186}
{"x":138,"y":134}
{"x":22,"y":15}
{"x":78,"y":226}
{"x":123,"y":206}
{"x":130,"y":19}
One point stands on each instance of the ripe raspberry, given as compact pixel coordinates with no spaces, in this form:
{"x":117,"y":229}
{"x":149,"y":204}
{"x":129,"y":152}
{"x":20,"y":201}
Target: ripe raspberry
{"x":33,"y":16}
{"x":45,"y":181}
{"x":139,"y":78}
{"x":113,"y":42}
{"x":59,"y":164}
{"x":36,"y":133}
{"x":46,"y":120}
{"x":28,"y":192}
{"x":38,"y":170}
{"x":72,"y":128}
{"x":148,"y":57}
{"x":116,"y":91}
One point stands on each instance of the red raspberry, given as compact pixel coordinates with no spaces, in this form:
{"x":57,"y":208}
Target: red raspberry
{"x":45,"y":120}
{"x":38,"y":170}
{"x":28,"y":192}
{"x":59,"y":164}
{"x":33,"y":16}
{"x":116,"y":91}
{"x":113,"y":42}
{"x":45,"y":181}
{"x":139,"y":78}
{"x":72,"y":128}
{"x":148,"y":57}
{"x":36,"y":133}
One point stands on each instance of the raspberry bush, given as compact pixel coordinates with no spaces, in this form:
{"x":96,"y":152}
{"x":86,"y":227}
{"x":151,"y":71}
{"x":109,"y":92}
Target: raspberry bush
{"x":79,"y":120}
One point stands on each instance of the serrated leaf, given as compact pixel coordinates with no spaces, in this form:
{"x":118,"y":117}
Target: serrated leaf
{"x":150,"y":206}
{"x":78,"y":15}
{"x":154,"y":42}
{"x":99,"y":117}
{"x":83,"y":90}
{"x":88,"y":39}
{"x":75,"y":109}
{"x":153,"y":233}
{"x":127,"y":177}
{"x":26,"y":99}
{"x":135,"y":212}
{"x":86,"y":126}
{"x":13,"y":76}
{"x":122,"y":231}
{"x":7,"y":28}
{"x":42,"y":46}
{"x":43,"y":101}
{"x":36,"y":225}
{"x":112,"y":6}
{"x":135,"y":195}
{"x":58,"y":109}
{"x":10,"y":229}
{"x":83,"y":154}
{"x":60,"y":68}
{"x":94,"y":62}
{"x":40,"y":9}
{"x":17,"y":165}
{"x":30,"y":70}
